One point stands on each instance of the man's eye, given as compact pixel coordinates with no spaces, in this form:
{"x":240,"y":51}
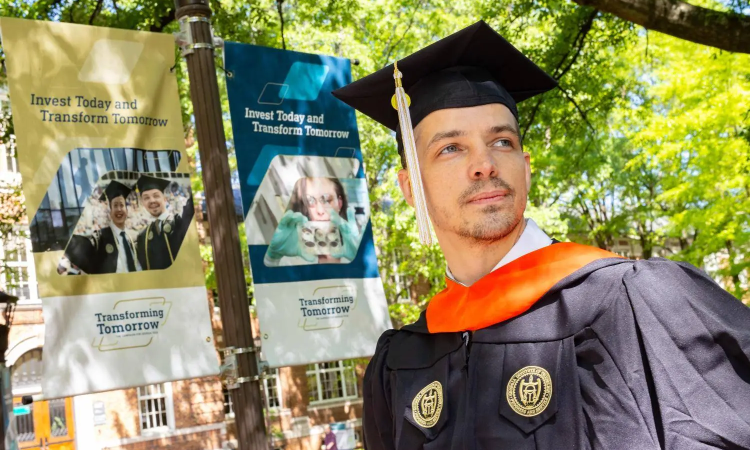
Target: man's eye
{"x":503,"y":143}
{"x":449,"y":149}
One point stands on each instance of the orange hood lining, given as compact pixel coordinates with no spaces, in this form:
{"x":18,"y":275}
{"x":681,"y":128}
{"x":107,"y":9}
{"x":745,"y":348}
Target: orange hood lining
{"x":508,"y":291}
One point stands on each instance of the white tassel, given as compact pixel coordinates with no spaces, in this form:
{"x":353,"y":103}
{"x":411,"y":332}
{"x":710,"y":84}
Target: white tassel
{"x":401,"y":102}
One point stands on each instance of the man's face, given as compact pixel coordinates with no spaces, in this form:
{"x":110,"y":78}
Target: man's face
{"x":118,"y":211}
{"x":154,"y":201}
{"x":476,"y":175}
{"x":321,"y":196}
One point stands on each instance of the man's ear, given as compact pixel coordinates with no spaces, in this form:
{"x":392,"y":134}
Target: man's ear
{"x":527,"y":169}
{"x":405,"y":184}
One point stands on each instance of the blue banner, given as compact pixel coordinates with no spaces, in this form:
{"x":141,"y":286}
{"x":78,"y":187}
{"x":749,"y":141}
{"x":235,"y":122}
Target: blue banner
{"x":306,"y":205}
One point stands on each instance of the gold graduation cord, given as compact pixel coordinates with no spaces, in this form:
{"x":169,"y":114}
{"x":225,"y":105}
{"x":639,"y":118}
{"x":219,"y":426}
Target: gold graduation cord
{"x":401,"y":102}
{"x":148,"y":261}
{"x":169,"y":247}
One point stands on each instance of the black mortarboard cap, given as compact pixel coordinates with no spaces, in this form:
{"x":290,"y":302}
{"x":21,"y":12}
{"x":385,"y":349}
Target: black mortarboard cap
{"x":115,"y":189}
{"x":147,"y":183}
{"x":472,"y":67}
{"x":80,"y":251}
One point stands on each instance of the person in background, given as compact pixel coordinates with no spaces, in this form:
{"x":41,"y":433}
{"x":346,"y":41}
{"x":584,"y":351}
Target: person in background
{"x":329,"y":439}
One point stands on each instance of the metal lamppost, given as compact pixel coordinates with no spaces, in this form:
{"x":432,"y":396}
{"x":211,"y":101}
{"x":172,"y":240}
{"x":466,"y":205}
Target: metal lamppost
{"x":197,"y":45}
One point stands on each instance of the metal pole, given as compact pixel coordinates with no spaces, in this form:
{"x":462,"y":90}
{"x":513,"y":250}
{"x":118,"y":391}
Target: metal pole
{"x":225,"y":241}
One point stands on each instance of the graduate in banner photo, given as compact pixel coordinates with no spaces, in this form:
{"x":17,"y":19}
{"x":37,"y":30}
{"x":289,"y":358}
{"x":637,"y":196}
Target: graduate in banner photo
{"x":110,"y":249}
{"x":159,"y":243}
{"x":319,"y":226}
{"x":116,"y":244}
{"x":534,"y":343}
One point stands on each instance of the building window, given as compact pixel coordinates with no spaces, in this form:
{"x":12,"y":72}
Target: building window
{"x":155,"y":407}
{"x":58,"y":422}
{"x":332,"y":381}
{"x":26,"y":373}
{"x":272,"y":389}
{"x":228,"y":405}
{"x":19,"y":279}
{"x":8,"y":162}
{"x":25,"y":423}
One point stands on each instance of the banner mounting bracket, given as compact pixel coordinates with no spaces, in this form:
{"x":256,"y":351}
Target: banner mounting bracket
{"x":186,"y":42}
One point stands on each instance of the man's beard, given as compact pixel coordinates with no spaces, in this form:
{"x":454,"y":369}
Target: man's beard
{"x":494,"y":222}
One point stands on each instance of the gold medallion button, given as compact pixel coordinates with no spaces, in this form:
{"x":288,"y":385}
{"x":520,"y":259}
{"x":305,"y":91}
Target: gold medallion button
{"x":150,"y":235}
{"x":109,"y":248}
{"x":529,"y":391}
{"x":167,"y":227}
{"x":428,"y":404}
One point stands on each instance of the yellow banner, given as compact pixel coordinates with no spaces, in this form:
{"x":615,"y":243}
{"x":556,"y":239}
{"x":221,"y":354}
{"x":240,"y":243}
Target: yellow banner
{"x":105,"y":175}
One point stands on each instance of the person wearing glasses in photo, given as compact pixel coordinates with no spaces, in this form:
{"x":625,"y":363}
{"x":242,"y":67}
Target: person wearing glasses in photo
{"x":318,"y":200}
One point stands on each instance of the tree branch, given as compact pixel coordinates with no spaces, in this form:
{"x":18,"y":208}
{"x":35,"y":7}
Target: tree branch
{"x":387,"y":56}
{"x":578,"y":43}
{"x":279,"y":4}
{"x":724,"y":30}
{"x":580,"y":111}
{"x":163,"y":21}
{"x":97,"y":9}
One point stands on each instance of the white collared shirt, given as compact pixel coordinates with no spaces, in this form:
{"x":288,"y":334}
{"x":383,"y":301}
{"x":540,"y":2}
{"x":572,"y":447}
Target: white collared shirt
{"x":532,"y":239}
{"x":122,"y":259}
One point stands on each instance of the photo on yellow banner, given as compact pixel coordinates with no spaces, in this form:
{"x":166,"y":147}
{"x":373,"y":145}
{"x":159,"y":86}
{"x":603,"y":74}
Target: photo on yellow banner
{"x":131,"y":223}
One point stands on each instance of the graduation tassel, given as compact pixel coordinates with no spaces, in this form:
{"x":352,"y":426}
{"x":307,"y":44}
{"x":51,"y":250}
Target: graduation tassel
{"x":401,"y":102}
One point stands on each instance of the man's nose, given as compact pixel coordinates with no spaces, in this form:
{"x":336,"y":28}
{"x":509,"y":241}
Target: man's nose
{"x":482,"y":163}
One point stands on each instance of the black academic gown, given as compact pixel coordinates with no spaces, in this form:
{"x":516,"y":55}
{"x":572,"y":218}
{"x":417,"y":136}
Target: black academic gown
{"x":107,"y":251}
{"x":640,"y":355}
{"x":158,"y":245}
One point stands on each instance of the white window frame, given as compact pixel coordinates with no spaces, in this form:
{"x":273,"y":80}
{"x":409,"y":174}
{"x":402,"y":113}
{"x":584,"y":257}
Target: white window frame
{"x":273,"y":374}
{"x":317,"y":371}
{"x":5,"y":153}
{"x":21,"y":234}
{"x":168,"y":403}
{"x":227,"y":396}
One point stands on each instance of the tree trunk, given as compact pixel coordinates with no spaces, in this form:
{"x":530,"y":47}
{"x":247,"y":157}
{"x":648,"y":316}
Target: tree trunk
{"x":725,"y":30}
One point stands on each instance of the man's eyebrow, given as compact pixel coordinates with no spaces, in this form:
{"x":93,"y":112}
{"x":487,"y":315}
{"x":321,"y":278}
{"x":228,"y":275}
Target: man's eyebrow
{"x":445,"y":135}
{"x":504,"y":128}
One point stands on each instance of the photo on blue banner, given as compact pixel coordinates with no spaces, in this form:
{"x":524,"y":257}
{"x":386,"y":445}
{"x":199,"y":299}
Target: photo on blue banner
{"x":306,"y":206}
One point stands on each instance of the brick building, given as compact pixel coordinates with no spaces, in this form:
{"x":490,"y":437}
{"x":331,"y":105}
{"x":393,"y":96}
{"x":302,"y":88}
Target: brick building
{"x":191,"y":414}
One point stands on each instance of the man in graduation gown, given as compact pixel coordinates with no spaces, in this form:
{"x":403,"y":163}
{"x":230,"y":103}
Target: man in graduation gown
{"x":160,"y":241}
{"x":534,"y":344}
{"x":115,"y":249}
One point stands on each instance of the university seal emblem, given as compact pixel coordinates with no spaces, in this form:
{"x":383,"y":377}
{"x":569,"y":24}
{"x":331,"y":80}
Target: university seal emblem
{"x":428,"y":404}
{"x":529,"y":391}
{"x":167,"y":227}
{"x":109,"y":248}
